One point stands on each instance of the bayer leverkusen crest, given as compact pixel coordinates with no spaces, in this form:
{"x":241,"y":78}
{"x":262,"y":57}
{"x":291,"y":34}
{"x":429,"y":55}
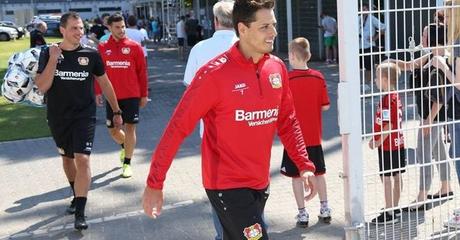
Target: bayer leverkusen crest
{"x":125,"y":50}
{"x":83,"y":61}
{"x":253,"y":232}
{"x":275,"y":80}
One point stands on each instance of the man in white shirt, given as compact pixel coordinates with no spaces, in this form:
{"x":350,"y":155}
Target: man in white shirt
{"x":180,"y":31}
{"x":135,"y":34}
{"x":329,"y":26}
{"x":204,"y":51}
{"x":370,"y":30}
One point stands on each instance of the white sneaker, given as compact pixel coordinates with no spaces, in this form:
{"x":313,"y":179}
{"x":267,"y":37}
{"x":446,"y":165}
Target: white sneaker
{"x":302,"y":219}
{"x":454,"y":221}
{"x":325,"y":215}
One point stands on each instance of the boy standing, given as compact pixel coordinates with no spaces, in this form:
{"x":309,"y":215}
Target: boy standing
{"x":309,"y":92}
{"x":390,"y":145}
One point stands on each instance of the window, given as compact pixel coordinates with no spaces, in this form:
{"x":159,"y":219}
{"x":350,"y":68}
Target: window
{"x":81,"y":10}
{"x":109,"y":9}
{"x":9,"y":12}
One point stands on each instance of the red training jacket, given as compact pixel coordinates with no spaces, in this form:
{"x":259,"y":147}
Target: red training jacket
{"x":242,"y":105}
{"x":125,"y":65}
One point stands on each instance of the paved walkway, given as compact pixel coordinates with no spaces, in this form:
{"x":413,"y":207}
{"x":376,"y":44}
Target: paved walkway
{"x":34,"y":192}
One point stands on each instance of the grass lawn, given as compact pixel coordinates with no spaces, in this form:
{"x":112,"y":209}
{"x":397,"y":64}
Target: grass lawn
{"x":19,"y":121}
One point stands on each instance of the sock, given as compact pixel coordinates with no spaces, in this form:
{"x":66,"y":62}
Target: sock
{"x":127,"y":161}
{"x":80,"y":203}
{"x":324,"y":204}
{"x":302,"y":210}
{"x":73,"y":189}
{"x":122,"y":145}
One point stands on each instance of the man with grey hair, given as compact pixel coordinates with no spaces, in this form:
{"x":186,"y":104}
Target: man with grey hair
{"x":36,"y":36}
{"x":202,"y":52}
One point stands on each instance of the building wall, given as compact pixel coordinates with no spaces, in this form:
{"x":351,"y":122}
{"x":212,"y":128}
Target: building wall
{"x":22,"y":12}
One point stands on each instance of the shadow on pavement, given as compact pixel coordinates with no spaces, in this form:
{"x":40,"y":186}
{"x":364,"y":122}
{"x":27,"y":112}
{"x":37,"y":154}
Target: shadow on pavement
{"x":58,"y":194}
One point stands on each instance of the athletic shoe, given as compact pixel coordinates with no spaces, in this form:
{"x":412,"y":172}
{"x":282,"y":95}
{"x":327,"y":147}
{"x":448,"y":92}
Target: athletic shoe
{"x":127,"y":171}
{"x":325,"y":215}
{"x":71,"y":209}
{"x":80,"y":222}
{"x":385,"y":218}
{"x":397,"y":212}
{"x":122,"y":156}
{"x":454,"y":221}
{"x":302,"y":220}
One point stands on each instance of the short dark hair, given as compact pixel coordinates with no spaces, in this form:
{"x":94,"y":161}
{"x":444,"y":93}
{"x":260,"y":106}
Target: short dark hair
{"x":66,"y":16}
{"x":132,"y":21}
{"x":436,"y":33}
{"x":105,"y":15}
{"x":116,"y":17}
{"x":244,"y":11}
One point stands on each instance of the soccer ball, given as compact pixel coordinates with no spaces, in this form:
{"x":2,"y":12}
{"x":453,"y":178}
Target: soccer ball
{"x":14,"y":59}
{"x":35,"y":97}
{"x":17,"y":84}
{"x":29,"y":61}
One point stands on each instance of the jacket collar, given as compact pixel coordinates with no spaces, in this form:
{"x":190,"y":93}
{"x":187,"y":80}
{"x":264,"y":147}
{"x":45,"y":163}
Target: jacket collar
{"x":238,"y":56}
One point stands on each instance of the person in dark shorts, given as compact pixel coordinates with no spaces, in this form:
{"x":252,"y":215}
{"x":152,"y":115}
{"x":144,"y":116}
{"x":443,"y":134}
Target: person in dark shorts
{"x":191,"y":28}
{"x":243,"y":97}
{"x":390,"y":146}
{"x":309,"y":91}
{"x":66,"y":75}
{"x":36,"y":36}
{"x":126,"y":67}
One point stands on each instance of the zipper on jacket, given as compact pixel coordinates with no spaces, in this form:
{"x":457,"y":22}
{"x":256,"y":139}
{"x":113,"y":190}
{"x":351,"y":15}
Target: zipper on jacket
{"x":258,"y":82}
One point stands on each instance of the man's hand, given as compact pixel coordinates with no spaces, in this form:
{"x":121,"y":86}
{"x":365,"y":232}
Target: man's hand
{"x":374,"y":144}
{"x":309,"y":184}
{"x":143,"y":102}
{"x":117,"y":121}
{"x":152,"y":202}
{"x":99,"y":100}
{"x":439,"y":62}
{"x":55,"y":51}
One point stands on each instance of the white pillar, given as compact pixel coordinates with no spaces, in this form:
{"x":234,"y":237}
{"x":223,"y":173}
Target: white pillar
{"x":349,"y":108}
{"x":289,"y":19}
{"x":319,"y":8}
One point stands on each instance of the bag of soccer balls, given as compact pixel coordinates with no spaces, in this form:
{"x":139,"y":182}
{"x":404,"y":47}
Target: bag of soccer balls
{"x":18,"y":85}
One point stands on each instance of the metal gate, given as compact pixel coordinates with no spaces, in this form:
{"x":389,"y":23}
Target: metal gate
{"x":370,"y":33}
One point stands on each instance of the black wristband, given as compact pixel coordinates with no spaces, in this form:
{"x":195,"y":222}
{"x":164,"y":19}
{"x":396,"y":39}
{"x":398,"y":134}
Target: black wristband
{"x":119,"y":112}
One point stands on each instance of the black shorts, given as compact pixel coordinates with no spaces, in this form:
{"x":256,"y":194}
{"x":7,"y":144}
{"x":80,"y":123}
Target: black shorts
{"x":191,"y":40}
{"x":240,"y":212}
{"x":130,"y":111}
{"x":392,"y":160}
{"x":315,"y":154}
{"x":180,"y":42}
{"x":369,"y":61}
{"x":73,"y":135}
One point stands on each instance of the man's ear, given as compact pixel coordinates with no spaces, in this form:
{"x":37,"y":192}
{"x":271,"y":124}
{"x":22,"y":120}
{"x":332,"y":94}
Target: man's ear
{"x":242,"y":29}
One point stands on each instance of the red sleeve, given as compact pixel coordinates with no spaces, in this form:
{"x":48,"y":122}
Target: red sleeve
{"x":97,"y":88}
{"x":325,"y":95}
{"x":141,"y":70}
{"x":289,"y":130}
{"x":197,"y":100}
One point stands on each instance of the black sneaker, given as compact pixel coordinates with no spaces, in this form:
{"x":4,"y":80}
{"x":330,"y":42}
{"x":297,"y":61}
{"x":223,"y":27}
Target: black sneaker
{"x":71,"y":209}
{"x":385,"y":218}
{"x":397,"y":212}
{"x":80,"y":222}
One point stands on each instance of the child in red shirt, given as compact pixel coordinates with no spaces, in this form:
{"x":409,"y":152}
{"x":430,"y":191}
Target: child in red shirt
{"x":390,"y":144}
{"x":309,"y":92}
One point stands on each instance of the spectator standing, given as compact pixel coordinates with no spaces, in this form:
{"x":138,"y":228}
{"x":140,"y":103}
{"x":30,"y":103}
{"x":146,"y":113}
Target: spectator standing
{"x":180,"y":31}
{"x":329,"y":26}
